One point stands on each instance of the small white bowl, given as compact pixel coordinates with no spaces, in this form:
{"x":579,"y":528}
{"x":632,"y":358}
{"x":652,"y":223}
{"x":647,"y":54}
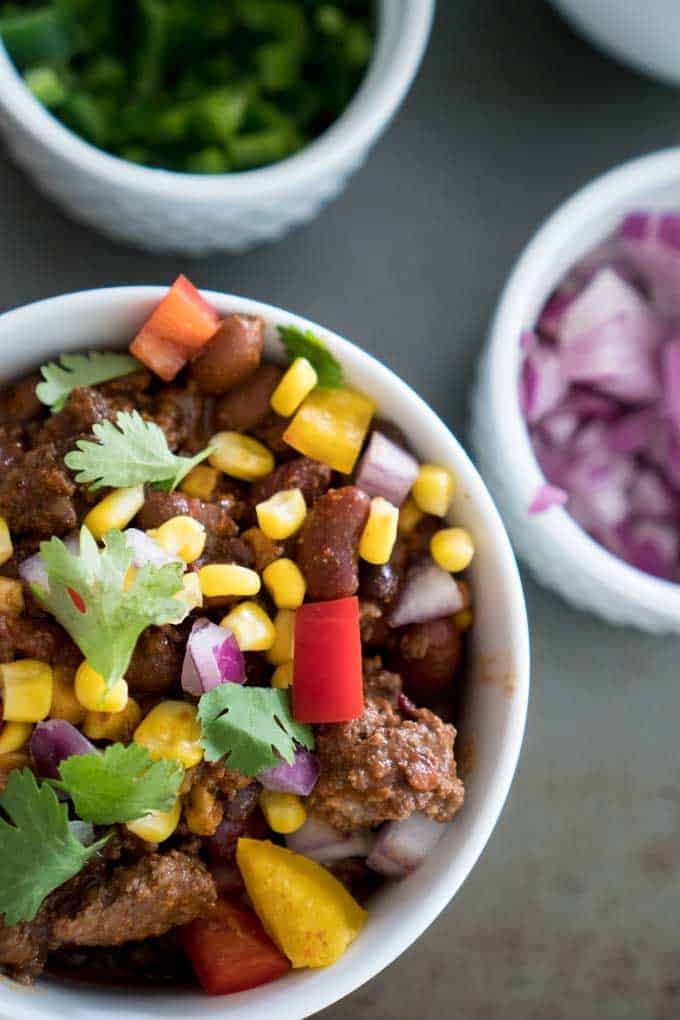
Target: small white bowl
{"x":200,"y":213}
{"x":644,"y":35}
{"x":561,"y":554}
{"x":497,"y":682}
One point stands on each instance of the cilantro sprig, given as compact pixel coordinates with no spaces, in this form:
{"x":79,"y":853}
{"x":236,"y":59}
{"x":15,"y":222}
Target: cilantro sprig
{"x":74,"y":370}
{"x":252,"y":726}
{"x":307,"y":345}
{"x":38,"y":851}
{"x":107,"y":628}
{"x":120,"y":785}
{"x":129,"y":452}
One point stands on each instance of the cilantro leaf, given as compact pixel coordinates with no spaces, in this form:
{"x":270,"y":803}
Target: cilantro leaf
{"x":38,"y":852}
{"x":107,"y":631}
{"x":250,"y":725}
{"x":120,"y":785}
{"x":307,"y":345}
{"x":74,"y":370}
{"x":129,"y":452}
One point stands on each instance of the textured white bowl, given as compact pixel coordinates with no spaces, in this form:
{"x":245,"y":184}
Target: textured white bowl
{"x":497,"y":684}
{"x":198,"y":213}
{"x":560,"y":553}
{"x":644,"y":35}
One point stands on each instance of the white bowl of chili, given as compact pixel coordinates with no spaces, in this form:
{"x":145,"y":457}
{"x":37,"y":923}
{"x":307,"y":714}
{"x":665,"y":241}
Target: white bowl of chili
{"x":199,"y":213}
{"x":496,"y":682}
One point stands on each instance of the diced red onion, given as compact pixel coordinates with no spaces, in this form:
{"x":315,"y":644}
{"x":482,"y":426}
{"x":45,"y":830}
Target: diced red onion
{"x":54,"y":741}
{"x":619,"y":356}
{"x":145,"y":550}
{"x":670,"y":370}
{"x":651,"y":496}
{"x":588,"y":404}
{"x":651,"y":546}
{"x":386,"y":470}
{"x":542,"y":383}
{"x":606,"y":297}
{"x":401,"y":847}
{"x":553,"y":311}
{"x":212,"y":657}
{"x":428,"y":593}
{"x":559,"y":426}
{"x":33,"y":571}
{"x":298,"y":778}
{"x":546,"y":497}
{"x":652,"y":243}
{"x":324,"y":844}
{"x":633,"y":432}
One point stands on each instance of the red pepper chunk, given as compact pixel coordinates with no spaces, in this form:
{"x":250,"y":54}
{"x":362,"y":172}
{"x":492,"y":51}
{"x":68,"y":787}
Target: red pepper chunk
{"x":76,"y":599}
{"x":175,"y":331}
{"x":327,"y":676}
{"x":231,"y":952}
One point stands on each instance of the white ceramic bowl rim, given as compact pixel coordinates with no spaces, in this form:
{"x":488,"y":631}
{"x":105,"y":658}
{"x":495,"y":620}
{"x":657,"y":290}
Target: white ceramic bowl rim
{"x":618,"y":189}
{"x":307,"y":992}
{"x":371,"y":108}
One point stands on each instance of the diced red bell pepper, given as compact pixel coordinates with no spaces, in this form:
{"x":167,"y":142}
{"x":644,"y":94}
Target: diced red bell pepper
{"x":327,"y":675}
{"x":174,"y":333}
{"x":230,"y":950}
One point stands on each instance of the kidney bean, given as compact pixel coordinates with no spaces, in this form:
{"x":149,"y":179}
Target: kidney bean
{"x":427,"y":656}
{"x":328,"y":550}
{"x":270,"y":432}
{"x":302,"y":473}
{"x":231,"y":356}
{"x":247,"y":405}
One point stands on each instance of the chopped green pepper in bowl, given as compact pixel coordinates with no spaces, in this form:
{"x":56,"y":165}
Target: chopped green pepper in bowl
{"x":220,"y":86}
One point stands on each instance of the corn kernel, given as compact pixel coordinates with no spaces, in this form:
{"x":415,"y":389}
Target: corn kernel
{"x":285,"y":582}
{"x":297,"y":383}
{"x":115,"y":510}
{"x":181,"y":536}
{"x":463,"y":620}
{"x":282,"y":649}
{"x":172,"y":730}
{"x":241,"y":456}
{"x":433,"y":490}
{"x":157,"y":826}
{"x":65,"y":705}
{"x":26,"y":690}
{"x":200,"y":482}
{"x":452,"y":549}
{"x":409,"y":517}
{"x":6,"y":547}
{"x":221,"y":579}
{"x":284,"y":812}
{"x":380,"y":532}
{"x":93,"y":694}
{"x":113,"y":725}
{"x":11,"y":597}
{"x":251,"y":627}
{"x":13,"y":736}
{"x":331,"y":426}
{"x":282,"y":515}
{"x":129,"y":578}
{"x":282,"y":677}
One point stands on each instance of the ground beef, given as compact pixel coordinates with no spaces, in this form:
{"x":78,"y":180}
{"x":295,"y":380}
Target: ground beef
{"x":374,"y":630}
{"x":384,"y":767}
{"x":216,"y":776}
{"x":23,"y":949}
{"x":380,"y":682}
{"x":158,"y":961}
{"x":18,"y":402}
{"x":264,"y":549}
{"x":156,"y":663}
{"x":181,"y":413}
{"x":11,"y":445}
{"x":84,"y":408}
{"x":147,"y":899}
{"x":134,"y":385}
{"x":36,"y":494}
{"x":11,"y":761}
{"x":270,"y":432}
{"x":36,"y":639}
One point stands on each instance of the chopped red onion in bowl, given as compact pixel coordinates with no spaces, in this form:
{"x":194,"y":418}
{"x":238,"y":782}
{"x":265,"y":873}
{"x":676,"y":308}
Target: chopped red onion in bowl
{"x":52,"y":742}
{"x":212,"y":657}
{"x":599,"y":387}
{"x":401,"y":847}
{"x":300,"y":777}
{"x":386,"y":470}
{"x":428,"y":593}
{"x":322,"y":843}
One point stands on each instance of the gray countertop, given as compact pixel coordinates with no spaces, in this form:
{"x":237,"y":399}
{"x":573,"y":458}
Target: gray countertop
{"x":572,"y":911}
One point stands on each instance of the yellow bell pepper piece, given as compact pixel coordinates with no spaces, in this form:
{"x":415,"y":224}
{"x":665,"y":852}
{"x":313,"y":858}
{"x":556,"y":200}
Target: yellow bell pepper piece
{"x":331,"y":426}
{"x":297,"y":383}
{"x":309,"y":914}
{"x":26,"y":690}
